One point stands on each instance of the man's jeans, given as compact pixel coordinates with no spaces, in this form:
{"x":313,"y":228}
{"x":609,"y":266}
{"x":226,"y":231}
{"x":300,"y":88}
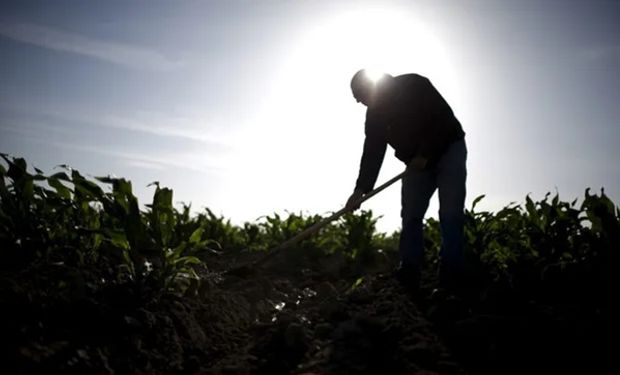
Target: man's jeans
{"x":448,"y":176}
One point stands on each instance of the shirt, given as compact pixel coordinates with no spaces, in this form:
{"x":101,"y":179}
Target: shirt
{"x":410,"y":115}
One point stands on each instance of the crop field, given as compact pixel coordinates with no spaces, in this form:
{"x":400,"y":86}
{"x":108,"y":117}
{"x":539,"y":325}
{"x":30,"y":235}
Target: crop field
{"x":92,"y":283}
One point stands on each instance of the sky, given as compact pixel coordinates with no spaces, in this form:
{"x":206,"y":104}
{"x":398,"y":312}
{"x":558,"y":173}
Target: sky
{"x":244,"y":107}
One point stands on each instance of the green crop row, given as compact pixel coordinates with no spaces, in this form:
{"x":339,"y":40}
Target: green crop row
{"x":100,"y":236}
{"x":548,"y":249}
{"x":93,"y":234}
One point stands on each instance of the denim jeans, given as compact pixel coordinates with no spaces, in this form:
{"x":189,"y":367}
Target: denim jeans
{"x":448,"y":177}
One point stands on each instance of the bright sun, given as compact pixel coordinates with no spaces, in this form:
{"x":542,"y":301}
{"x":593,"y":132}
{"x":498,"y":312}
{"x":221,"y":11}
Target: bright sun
{"x":312,"y":128}
{"x":380,"y":40}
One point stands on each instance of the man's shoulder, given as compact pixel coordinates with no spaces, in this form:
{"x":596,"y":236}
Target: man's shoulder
{"x":410,"y":78}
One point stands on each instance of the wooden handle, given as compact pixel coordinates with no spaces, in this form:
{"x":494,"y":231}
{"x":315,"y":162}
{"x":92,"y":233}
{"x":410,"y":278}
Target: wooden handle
{"x":317,"y":226}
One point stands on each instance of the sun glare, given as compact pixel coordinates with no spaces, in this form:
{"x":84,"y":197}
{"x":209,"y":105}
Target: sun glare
{"x":313,"y":120}
{"x":380,"y":40}
{"x":374,"y":75}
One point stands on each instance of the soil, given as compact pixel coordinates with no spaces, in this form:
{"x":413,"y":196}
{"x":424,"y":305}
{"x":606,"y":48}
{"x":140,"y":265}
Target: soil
{"x":298,"y":315}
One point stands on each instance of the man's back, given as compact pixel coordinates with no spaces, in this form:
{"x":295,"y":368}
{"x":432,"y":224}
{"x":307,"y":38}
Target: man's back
{"x":413,"y":117}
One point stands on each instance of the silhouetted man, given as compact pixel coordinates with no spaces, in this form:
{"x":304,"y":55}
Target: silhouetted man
{"x":409,"y":114}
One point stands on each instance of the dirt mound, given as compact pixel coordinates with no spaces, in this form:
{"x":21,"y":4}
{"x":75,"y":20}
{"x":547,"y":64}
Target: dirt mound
{"x":327,"y":328}
{"x":296,"y":316}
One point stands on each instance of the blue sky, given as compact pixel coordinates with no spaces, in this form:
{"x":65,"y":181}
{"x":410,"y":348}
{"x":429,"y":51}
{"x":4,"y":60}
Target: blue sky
{"x":244,"y":106}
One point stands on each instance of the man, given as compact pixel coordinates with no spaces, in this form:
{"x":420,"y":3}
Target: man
{"x":409,"y":114}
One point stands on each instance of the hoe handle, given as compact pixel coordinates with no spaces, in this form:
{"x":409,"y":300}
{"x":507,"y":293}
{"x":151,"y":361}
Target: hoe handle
{"x":317,"y":226}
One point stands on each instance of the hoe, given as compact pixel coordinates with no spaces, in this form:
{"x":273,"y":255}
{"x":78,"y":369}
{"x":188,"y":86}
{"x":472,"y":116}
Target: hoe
{"x":251,"y":268}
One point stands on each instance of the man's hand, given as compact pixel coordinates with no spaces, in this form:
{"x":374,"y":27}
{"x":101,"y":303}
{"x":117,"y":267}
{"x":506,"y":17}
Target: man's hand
{"x":354,"y":201}
{"x":418,"y":163}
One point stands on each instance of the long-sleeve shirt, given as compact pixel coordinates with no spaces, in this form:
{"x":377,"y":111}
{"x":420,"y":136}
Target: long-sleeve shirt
{"x":410,"y":115}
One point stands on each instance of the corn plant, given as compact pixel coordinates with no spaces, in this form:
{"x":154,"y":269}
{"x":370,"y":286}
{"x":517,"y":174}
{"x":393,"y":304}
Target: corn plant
{"x":69,"y":221}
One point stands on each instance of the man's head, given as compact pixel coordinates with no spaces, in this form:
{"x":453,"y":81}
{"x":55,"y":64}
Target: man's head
{"x":366,"y":86}
{"x":362,"y":87}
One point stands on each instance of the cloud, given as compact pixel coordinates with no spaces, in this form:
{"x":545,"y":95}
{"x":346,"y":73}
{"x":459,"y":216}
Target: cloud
{"x":217,"y":152}
{"x":160,"y":161}
{"x":145,"y":165}
{"x":176,"y":127}
{"x":156,"y":160}
{"x":119,"y":53}
{"x":191,"y":127}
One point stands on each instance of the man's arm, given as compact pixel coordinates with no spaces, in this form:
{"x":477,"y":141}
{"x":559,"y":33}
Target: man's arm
{"x":372,"y":159}
{"x":370,"y":165}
